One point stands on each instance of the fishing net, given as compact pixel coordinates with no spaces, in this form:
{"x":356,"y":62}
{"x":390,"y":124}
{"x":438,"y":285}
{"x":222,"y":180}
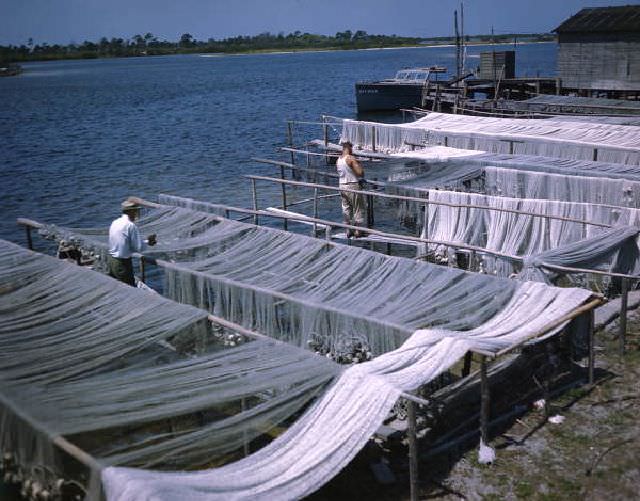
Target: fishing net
{"x":561,"y":139}
{"x":129,"y":376}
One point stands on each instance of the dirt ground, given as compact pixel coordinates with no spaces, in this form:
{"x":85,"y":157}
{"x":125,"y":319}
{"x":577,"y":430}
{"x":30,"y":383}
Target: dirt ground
{"x":593,"y":454}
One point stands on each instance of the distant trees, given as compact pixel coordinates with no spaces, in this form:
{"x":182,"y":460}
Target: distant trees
{"x":149,"y":44}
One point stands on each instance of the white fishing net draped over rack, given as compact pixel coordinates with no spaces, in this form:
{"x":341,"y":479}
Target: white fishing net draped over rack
{"x":561,"y":139}
{"x":542,"y":185}
{"x":464,"y":311}
{"x":339,"y":424}
{"x":83,"y":356}
{"x":305,"y":291}
{"x":468,"y":218}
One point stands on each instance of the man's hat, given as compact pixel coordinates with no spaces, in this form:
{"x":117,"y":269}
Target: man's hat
{"x":129,"y":204}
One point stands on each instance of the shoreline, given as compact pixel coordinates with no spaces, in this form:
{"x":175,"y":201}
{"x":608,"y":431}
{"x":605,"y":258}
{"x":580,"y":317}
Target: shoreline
{"x":287,"y":51}
{"x":336,"y":49}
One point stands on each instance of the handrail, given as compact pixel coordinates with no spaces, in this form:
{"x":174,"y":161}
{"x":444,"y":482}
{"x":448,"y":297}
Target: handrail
{"x":424,"y":201}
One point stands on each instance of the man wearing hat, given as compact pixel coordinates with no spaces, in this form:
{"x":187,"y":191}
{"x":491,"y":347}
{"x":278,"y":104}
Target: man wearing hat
{"x":351,"y":172}
{"x":124,"y":240}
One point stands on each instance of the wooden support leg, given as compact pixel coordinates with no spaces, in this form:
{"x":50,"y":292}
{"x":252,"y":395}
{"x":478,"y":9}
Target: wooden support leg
{"x":624,"y":301}
{"x":143,"y":276}
{"x":591,"y":346}
{"x":466,"y":368}
{"x":245,"y":443}
{"x":29,"y":240}
{"x":413,"y":449}
{"x":255,"y":200}
{"x":485,"y":401}
{"x":285,"y":221}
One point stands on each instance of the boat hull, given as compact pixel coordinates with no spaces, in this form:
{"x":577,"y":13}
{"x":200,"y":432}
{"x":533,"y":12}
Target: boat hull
{"x":381,"y":96}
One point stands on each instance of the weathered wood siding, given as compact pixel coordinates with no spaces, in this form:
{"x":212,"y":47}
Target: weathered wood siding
{"x":592,"y":61}
{"x":503,"y":58}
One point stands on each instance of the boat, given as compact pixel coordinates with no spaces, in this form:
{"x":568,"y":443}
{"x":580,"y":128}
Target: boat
{"x":403,"y":91}
{"x":10,"y":70}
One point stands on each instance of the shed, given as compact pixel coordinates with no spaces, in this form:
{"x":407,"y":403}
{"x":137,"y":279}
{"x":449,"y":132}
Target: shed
{"x":599,"y":49}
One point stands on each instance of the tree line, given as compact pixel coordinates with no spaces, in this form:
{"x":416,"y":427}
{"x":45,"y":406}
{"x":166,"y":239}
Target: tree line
{"x":148,"y":45}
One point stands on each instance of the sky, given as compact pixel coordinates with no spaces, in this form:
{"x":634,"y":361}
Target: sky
{"x":65,"y":21}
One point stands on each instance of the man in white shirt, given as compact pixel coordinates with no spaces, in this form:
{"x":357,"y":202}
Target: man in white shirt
{"x":353,"y":204}
{"x":124,"y":241}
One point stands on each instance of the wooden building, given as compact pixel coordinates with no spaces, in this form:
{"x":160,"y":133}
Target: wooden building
{"x":599,"y":50}
{"x":497,"y":65}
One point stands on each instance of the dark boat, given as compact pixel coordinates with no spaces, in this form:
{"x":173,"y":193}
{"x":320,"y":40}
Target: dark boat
{"x":403,"y":91}
{"x":10,"y":70}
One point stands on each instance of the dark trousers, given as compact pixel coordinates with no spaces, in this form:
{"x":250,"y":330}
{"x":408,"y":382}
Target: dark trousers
{"x":122,"y":269}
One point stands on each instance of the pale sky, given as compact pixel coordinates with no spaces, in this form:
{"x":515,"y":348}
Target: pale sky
{"x":64,"y":21}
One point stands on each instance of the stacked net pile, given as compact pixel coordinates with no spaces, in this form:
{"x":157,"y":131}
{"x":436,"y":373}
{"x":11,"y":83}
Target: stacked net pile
{"x":609,"y":245}
{"x":560,"y":139}
{"x":129,"y":376}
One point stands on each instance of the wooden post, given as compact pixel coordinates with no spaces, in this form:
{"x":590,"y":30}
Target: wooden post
{"x":373,"y":138}
{"x":315,"y":211}
{"x":143,"y":276}
{"x":466,"y":368}
{"x":484,"y":401}
{"x":226,"y":213}
{"x":255,"y":200}
{"x":595,"y":154}
{"x":245,"y":444}
{"x":370,"y":211}
{"x":290,"y":140}
{"x":547,"y":232}
{"x":327,"y":233}
{"x":29,"y":239}
{"x":591,"y":346}
{"x":388,"y":248}
{"x":624,"y":301}
{"x":285,"y":221}
{"x":413,"y":449}
{"x":472,"y":261}
{"x":325,"y":132}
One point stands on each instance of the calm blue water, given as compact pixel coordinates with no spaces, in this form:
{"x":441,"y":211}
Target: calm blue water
{"x":76,"y":137}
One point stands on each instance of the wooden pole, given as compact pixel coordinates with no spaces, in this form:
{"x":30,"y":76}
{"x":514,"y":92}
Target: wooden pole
{"x":327,"y":233}
{"x":142,"y":270}
{"x":255,"y":200}
{"x":413,"y":449}
{"x":373,"y":138}
{"x":245,"y":444}
{"x":29,"y":239}
{"x":315,"y":211}
{"x":595,"y":154}
{"x":624,"y":301}
{"x":591,"y":333}
{"x":290,"y":140}
{"x":485,"y":401}
{"x":285,"y":222}
{"x":466,"y":368}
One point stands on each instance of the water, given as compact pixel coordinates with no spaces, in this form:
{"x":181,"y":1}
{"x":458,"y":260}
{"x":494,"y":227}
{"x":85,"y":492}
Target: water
{"x":76,"y":137}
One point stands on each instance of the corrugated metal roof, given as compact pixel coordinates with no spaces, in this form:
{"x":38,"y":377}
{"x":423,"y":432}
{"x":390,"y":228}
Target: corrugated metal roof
{"x":599,"y":19}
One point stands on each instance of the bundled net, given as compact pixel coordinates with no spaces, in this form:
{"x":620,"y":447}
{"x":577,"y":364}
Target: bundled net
{"x":561,"y":139}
